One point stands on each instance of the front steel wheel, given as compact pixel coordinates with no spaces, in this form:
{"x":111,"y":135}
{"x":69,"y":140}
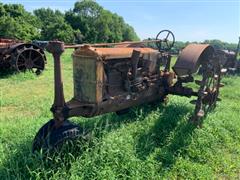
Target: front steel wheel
{"x":48,"y":137}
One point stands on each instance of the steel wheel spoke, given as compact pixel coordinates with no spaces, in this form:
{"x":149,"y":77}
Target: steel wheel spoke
{"x":30,"y":54}
{"x":21,"y":65}
{"x":23,"y":57}
{"x":167,"y":44}
{"x":167,"y":35}
{"x":35,"y":59}
{"x":209,"y":84}
{"x":37,"y":66}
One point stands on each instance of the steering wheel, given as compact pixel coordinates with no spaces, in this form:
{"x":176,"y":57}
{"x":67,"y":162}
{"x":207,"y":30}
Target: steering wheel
{"x":166,"y":40}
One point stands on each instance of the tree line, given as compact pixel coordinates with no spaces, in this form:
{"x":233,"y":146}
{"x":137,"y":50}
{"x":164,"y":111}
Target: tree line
{"x":87,"y":22}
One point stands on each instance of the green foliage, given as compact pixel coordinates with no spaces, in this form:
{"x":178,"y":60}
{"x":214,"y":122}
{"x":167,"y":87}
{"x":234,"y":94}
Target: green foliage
{"x":87,"y":22}
{"x":60,"y":31}
{"x":16,"y":22}
{"x":54,"y":26}
{"x":129,"y":33}
{"x":97,"y":24}
{"x":87,"y":14}
{"x":221,"y":45}
{"x":47,"y":16}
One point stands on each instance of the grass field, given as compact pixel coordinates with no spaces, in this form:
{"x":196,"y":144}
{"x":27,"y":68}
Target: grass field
{"x":151,"y":142}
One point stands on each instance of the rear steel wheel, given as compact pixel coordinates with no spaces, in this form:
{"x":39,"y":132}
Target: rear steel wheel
{"x":209,"y":89}
{"x":29,"y":57}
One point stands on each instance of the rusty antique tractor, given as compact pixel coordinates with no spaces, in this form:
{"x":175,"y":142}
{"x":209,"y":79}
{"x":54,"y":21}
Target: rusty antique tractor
{"x":116,"y":76}
{"x":21,"y":56}
{"x":229,"y":59}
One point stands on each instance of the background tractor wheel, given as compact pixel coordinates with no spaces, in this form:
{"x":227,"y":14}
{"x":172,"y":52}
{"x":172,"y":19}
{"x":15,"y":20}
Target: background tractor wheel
{"x":28,"y":57}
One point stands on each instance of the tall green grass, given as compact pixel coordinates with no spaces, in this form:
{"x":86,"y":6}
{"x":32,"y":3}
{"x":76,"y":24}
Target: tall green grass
{"x":151,"y":142}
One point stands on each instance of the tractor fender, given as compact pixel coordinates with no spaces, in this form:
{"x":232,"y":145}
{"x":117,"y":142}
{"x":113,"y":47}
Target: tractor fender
{"x":191,"y":57}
